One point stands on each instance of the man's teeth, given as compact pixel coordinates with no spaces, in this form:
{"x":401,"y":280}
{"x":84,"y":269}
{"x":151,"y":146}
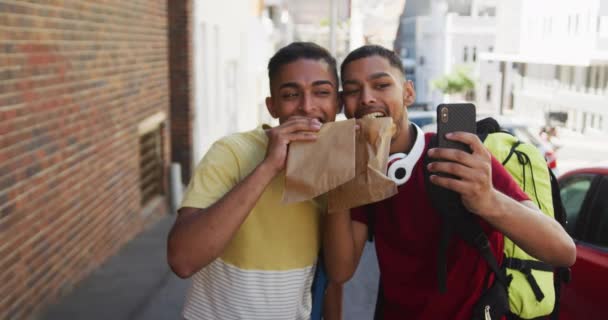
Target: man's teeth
{"x":373,"y":115}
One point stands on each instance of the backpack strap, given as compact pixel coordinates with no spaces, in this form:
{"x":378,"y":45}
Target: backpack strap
{"x":524,"y":160}
{"x":562,"y":274}
{"x":486,"y":126}
{"x":559,"y":212}
{"x":526,"y":267}
{"x":472,"y":233}
{"x":456,"y":219}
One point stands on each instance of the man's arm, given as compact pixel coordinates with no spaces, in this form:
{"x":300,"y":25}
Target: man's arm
{"x":533,"y":231}
{"x":343,"y":242}
{"x":199,"y":236}
{"x":332,"y":302}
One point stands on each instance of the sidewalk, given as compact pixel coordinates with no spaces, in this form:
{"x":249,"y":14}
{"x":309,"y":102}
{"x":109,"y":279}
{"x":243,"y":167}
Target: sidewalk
{"x":135,"y":284}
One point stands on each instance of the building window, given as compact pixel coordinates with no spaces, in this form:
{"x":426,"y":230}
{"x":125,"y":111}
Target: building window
{"x":489,"y":93}
{"x":151,"y":158}
{"x":511,"y":102}
{"x":474,"y":54}
{"x":571,"y":75}
{"x":465,"y":55}
{"x":421,"y":60}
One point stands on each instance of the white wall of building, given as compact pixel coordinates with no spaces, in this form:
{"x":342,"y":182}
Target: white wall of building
{"x":441,"y":41}
{"x":231,"y":46}
{"x":509,"y":28}
{"x":560,"y":57}
{"x":380,"y":19}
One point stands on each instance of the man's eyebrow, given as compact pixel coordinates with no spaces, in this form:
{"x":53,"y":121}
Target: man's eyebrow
{"x":378,"y":75}
{"x":322,"y":82}
{"x":289,"y":85}
{"x":374,"y":76}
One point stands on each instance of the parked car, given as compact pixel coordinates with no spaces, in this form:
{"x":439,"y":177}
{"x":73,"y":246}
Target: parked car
{"x":584,"y":193}
{"x":422,"y":118}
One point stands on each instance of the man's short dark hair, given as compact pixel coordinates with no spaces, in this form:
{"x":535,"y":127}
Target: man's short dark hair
{"x":300,"y":50}
{"x":373,"y":50}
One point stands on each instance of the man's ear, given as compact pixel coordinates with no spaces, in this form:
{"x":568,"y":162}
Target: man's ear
{"x":409,"y":94}
{"x":270,"y":107}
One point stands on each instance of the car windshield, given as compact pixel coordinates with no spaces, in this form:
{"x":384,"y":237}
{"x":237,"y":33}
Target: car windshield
{"x":422,"y":118}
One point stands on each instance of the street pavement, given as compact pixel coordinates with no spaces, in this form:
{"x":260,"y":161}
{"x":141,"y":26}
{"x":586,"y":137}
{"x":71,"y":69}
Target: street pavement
{"x":134,"y":284}
{"x":361,"y":291}
{"x":137,"y":284}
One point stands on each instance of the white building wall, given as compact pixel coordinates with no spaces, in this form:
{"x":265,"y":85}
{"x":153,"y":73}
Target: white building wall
{"x":509,"y":26}
{"x":356,"y":34}
{"x":562,"y":48}
{"x":441,"y":39}
{"x":232,"y":46}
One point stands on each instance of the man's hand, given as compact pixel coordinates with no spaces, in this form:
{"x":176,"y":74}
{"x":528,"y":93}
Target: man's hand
{"x":279,"y":138}
{"x":522,"y":222}
{"x":473,"y":169}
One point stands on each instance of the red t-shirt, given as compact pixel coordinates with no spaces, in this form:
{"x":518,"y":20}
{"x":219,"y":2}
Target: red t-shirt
{"x":407,"y":239}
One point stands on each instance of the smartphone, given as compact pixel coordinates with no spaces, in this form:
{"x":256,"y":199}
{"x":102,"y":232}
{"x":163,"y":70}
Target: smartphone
{"x":452,"y":117}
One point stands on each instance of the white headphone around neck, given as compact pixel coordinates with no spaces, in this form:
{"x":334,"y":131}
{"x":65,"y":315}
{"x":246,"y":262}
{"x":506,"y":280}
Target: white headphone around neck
{"x":401,"y":165}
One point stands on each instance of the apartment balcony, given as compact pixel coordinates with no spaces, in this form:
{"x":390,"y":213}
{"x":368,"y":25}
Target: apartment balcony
{"x":536,"y":97}
{"x":567,"y":95}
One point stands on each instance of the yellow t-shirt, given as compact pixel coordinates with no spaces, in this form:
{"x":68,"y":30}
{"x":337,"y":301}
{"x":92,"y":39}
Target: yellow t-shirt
{"x":267,"y":268}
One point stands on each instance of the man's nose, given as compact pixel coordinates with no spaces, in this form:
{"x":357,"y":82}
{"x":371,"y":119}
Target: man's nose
{"x":307,"y":104}
{"x":367,"y":98}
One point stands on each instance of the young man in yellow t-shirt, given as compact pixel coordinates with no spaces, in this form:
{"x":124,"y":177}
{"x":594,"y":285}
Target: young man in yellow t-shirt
{"x":250,"y":255}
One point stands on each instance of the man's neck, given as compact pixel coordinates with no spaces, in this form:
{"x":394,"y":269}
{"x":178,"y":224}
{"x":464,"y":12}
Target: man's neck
{"x":406,"y":136}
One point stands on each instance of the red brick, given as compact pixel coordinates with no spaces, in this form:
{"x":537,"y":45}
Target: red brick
{"x":69,"y":110}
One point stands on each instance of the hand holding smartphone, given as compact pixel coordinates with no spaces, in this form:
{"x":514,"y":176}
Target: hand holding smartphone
{"x":453,"y":117}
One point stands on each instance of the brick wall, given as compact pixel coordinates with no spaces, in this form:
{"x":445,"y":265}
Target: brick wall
{"x":180,"y":50}
{"x":76,"y":79}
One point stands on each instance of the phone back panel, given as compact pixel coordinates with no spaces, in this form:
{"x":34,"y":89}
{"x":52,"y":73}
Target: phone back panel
{"x":455,"y":117}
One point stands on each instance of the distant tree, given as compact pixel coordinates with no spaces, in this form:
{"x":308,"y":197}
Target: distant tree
{"x":457,"y":82}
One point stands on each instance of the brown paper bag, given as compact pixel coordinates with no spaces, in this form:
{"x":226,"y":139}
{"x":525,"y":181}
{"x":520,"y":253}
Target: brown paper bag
{"x":313,"y":168}
{"x":371,"y":183}
{"x":351,"y":166}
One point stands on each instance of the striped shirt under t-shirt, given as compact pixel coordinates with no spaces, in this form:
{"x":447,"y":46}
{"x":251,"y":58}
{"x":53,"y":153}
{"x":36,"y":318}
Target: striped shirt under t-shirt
{"x":267,"y":269}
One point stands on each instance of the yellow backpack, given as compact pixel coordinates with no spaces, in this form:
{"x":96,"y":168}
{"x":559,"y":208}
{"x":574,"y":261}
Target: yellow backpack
{"x":531,"y":289}
{"x":525,"y":287}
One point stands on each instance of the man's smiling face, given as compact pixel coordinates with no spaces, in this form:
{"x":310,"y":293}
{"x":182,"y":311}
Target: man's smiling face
{"x":305,"y":87}
{"x":372,"y":88}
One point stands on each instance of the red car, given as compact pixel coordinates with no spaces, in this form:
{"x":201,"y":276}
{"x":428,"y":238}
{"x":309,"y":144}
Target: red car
{"x":584,"y":193}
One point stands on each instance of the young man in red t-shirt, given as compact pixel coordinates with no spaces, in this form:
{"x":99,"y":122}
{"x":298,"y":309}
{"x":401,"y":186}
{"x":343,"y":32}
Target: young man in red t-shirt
{"x":406,"y":227}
